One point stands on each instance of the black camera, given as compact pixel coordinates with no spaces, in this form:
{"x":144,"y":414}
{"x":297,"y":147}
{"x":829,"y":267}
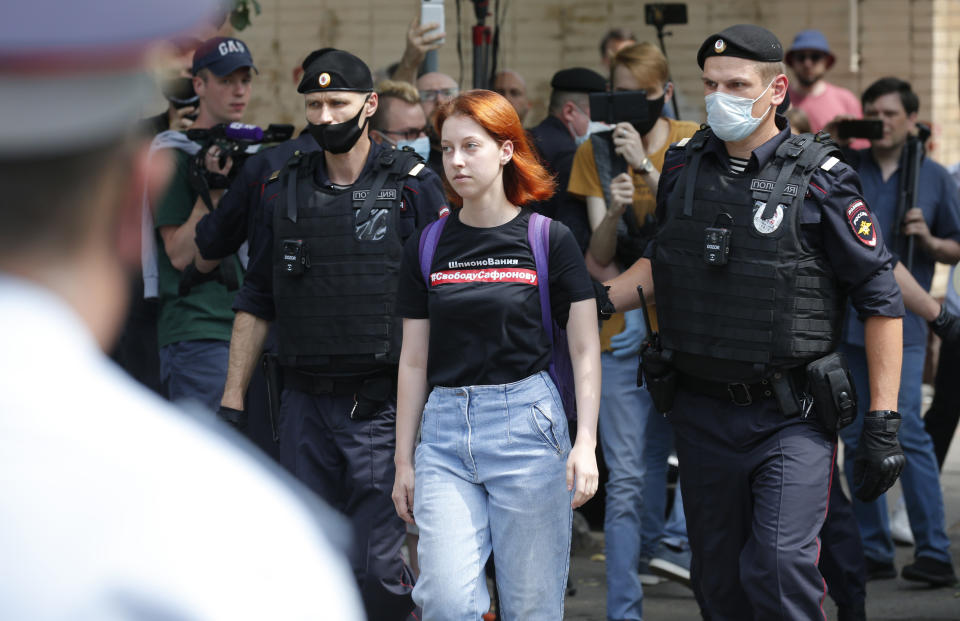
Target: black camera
{"x":871,"y":129}
{"x":619,"y":107}
{"x":295,"y":258}
{"x":662,"y":13}
{"x":236,"y":141}
{"x":716,"y":241}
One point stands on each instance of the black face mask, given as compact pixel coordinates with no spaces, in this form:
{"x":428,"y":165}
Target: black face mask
{"x":179,"y":92}
{"x":654,"y":108}
{"x":339,"y":137}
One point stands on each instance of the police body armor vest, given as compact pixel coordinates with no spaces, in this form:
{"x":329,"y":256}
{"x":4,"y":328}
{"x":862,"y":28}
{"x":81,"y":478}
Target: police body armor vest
{"x":335,"y":267}
{"x":776,"y":303}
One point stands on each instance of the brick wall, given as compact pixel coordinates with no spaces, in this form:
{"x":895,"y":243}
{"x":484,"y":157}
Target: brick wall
{"x":917,"y":40}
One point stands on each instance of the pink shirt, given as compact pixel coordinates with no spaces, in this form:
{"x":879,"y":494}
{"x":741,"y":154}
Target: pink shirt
{"x":822,"y":108}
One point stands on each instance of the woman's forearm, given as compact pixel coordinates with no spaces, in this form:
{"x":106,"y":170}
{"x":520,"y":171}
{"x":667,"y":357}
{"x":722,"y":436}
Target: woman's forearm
{"x":412,"y":386}
{"x":584,"y":342}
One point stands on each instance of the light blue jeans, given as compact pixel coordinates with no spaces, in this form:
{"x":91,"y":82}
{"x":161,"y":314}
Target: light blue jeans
{"x":491,"y":475}
{"x":624,"y":413}
{"x":920,"y":479}
{"x":671,"y":531}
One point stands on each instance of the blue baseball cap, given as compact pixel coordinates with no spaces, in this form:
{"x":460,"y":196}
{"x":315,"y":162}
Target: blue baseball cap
{"x":71,"y":78}
{"x":222,"y":56}
{"x":810,"y":40}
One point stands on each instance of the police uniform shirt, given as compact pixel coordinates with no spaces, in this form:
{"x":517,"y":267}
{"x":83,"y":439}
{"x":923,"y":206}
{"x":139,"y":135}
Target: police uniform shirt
{"x":831,"y":221}
{"x":422,"y":198}
{"x":937,"y":198}
{"x":556,"y":146}
{"x":483,"y":302}
{"x":221,"y":232}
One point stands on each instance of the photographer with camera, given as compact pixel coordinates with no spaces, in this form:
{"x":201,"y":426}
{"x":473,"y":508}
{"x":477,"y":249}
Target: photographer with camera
{"x":194,"y":326}
{"x":620,"y":208}
{"x":927,"y":216}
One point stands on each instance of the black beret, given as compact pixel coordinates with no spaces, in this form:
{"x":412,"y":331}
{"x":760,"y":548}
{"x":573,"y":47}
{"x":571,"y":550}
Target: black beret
{"x":331,"y":69}
{"x":578,"y":80}
{"x":743,"y":41}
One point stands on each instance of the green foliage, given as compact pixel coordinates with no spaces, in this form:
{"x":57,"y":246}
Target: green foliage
{"x":240,"y":15}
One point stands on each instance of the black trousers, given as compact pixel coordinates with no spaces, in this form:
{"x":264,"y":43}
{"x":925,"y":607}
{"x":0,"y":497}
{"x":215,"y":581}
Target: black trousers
{"x":841,"y":551}
{"x":944,"y":413}
{"x":755,"y":490}
{"x":349,"y":463}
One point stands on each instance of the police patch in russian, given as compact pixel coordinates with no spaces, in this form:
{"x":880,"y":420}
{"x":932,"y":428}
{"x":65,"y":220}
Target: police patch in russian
{"x":861,"y":222}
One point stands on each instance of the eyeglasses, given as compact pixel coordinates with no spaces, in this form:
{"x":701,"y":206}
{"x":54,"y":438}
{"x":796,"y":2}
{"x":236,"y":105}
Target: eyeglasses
{"x":434,"y":94}
{"x":811,"y":56}
{"x":410,"y":133}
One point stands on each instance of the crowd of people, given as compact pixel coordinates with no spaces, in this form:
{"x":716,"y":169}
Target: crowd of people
{"x":430,"y":317}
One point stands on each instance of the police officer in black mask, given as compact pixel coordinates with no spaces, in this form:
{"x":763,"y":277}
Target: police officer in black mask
{"x":761,"y":236}
{"x":323,"y":267}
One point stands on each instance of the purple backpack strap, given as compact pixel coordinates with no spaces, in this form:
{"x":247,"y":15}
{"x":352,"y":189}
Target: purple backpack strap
{"x":538,"y":235}
{"x":429,"y":239}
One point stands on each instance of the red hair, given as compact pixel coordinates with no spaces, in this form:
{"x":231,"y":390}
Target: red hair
{"x":525,"y":179}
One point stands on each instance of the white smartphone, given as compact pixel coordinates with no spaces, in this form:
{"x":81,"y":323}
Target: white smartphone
{"x":432,"y":11}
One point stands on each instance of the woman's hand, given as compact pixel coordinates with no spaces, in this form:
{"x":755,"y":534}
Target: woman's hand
{"x":582,"y":470}
{"x":621,"y":194}
{"x":627,"y":143}
{"x":403,"y":492}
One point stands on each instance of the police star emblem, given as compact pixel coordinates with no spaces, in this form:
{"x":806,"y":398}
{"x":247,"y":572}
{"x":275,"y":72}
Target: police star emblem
{"x":858,"y":216}
{"x":324,"y":80}
{"x":719,"y":46}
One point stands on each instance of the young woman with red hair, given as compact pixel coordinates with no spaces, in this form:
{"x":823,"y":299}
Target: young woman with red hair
{"x":494,"y":469}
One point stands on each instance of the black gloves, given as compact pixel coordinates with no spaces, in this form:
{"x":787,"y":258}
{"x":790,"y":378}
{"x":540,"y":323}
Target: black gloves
{"x":879,"y":456}
{"x":236,"y":418}
{"x":947,"y":327}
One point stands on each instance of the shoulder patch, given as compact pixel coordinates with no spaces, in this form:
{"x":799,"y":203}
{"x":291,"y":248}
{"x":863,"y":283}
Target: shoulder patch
{"x":829,"y":163}
{"x":416,"y":169}
{"x":861,"y":222}
{"x":683,"y":142}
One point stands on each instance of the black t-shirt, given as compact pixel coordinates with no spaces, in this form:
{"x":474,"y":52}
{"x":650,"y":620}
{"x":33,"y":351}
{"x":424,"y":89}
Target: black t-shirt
{"x":484,"y":304}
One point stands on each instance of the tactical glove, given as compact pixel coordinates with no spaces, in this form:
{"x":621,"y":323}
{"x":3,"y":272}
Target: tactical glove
{"x":947,"y":327}
{"x":236,"y":418}
{"x":605,"y":307}
{"x":879,"y":456}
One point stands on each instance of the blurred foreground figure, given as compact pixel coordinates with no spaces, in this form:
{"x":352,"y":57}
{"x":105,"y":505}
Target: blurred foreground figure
{"x":115,"y":505}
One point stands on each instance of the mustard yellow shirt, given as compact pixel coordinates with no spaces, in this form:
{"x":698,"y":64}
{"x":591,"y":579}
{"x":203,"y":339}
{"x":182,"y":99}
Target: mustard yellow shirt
{"x":584,"y":181}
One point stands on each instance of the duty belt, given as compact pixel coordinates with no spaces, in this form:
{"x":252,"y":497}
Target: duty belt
{"x":745,"y":394}
{"x":317,"y":384}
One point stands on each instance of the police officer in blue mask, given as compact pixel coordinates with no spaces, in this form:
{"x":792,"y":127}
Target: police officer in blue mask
{"x":762,"y":237}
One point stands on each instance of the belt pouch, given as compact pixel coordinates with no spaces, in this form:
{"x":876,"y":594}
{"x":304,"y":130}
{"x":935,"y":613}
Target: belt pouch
{"x":830,"y":384}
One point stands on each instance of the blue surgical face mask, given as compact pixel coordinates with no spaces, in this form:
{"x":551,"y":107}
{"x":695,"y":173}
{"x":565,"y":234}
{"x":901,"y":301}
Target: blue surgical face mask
{"x":421,"y":145}
{"x":731,"y":117}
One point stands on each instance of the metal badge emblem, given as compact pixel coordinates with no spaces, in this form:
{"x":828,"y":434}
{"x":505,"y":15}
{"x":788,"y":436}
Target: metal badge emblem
{"x":765,"y":227}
